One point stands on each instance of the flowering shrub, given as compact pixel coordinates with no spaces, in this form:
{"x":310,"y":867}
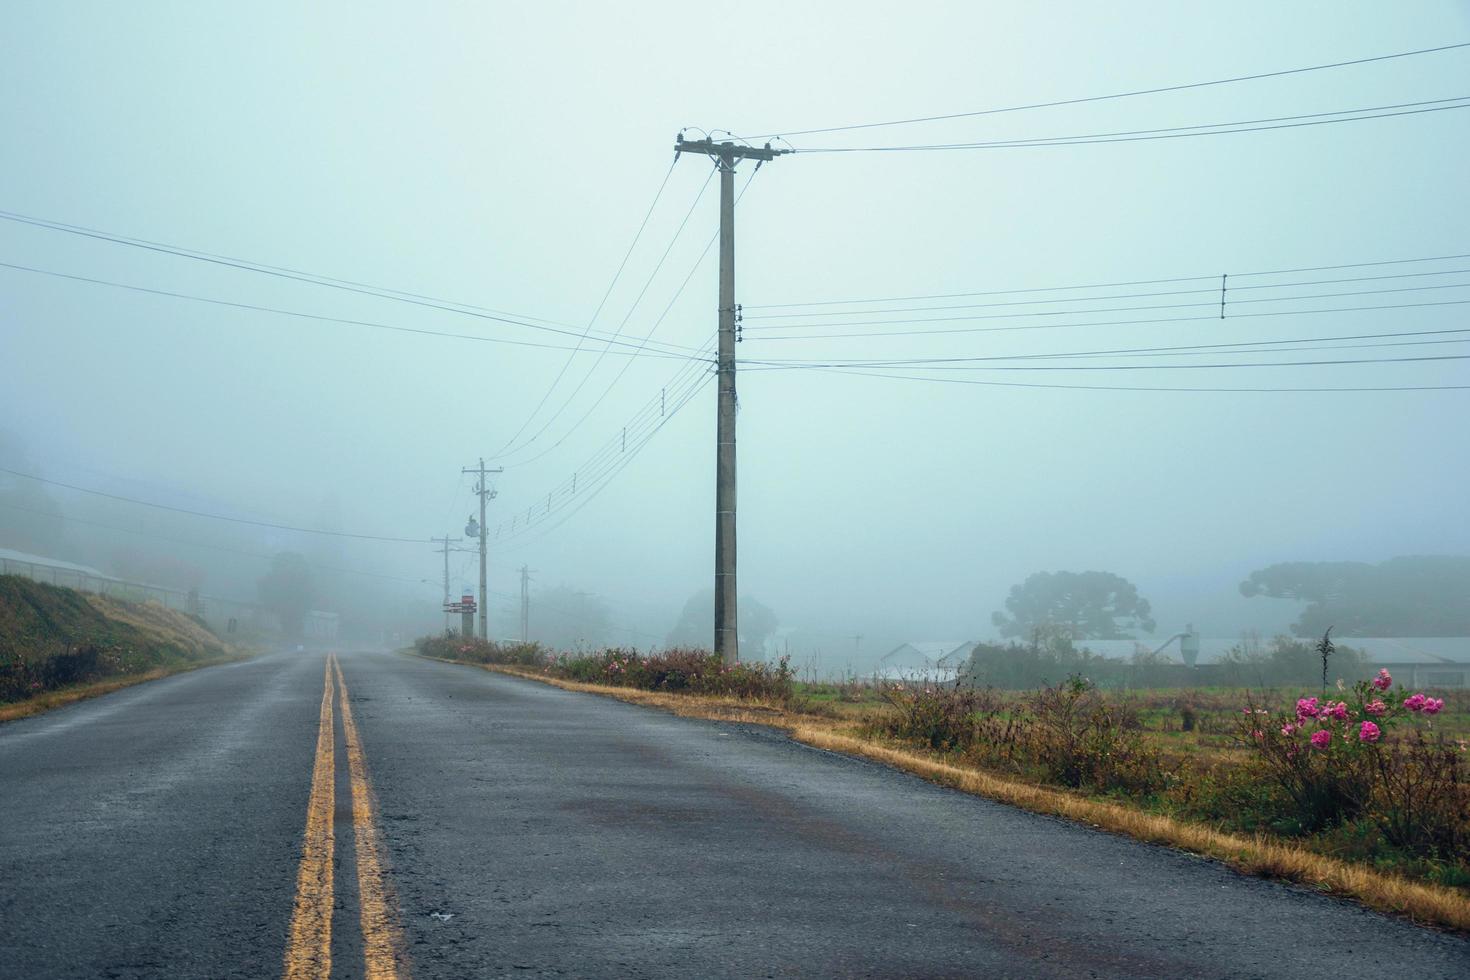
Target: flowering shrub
{"x":1367,"y":755}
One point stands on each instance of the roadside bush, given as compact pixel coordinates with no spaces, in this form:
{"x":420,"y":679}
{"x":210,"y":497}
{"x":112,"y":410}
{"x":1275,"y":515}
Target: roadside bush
{"x":676,"y":670}
{"x":1421,"y":801}
{"x":1069,"y":734}
{"x":1083,"y":739}
{"x":21,"y":678}
{"x":682,"y":669}
{"x":944,"y":719}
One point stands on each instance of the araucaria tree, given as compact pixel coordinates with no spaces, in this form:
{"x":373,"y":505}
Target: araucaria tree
{"x":1425,"y":595}
{"x":1080,"y":605}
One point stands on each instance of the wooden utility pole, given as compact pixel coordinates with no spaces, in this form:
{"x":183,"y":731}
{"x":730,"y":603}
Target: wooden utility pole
{"x":727,"y":635}
{"x":483,"y":491}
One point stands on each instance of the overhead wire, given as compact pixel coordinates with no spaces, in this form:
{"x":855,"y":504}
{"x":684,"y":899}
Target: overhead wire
{"x":658,"y":266}
{"x":605,"y":456}
{"x":617,"y":275}
{"x":1252,"y":364}
{"x":1147,"y":388}
{"x":347,"y":321}
{"x":394,"y":295}
{"x":1175,"y":132}
{"x":1091,"y":323}
{"x":1212,"y":304}
{"x":1212,"y":277}
{"x":1243,"y":346}
{"x":1212,"y":291}
{"x":210,"y":516}
{"x":705,"y":349}
{"x":622,"y":462}
{"x":1133,"y":93}
{"x":200,"y":544}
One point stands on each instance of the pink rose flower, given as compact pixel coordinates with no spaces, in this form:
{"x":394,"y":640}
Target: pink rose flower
{"x":1375,"y":707}
{"x":1383,"y":681}
{"x":1414,"y":702}
{"x":1340,"y":711}
{"x":1432,"y":705}
{"x":1369,"y":732}
{"x":1321,"y":738}
{"x":1288,"y":729}
{"x":1306,"y":708}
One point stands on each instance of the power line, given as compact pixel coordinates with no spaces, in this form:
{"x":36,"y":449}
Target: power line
{"x":703,"y":352}
{"x":1212,"y":291}
{"x":253,"y":266}
{"x":213,"y":517}
{"x":1191,"y":367}
{"x":1174,"y":132}
{"x":395,"y":295}
{"x":1115,"y":95}
{"x":1090,"y":323}
{"x":617,"y":468}
{"x":371,"y":324}
{"x":940,"y":365}
{"x":613,"y":454}
{"x":1214,"y":277}
{"x":1212,"y":304}
{"x":1093,"y":387}
{"x":637,"y":236}
{"x":647,"y":283}
{"x":199,"y":544}
{"x":1257,"y":345}
{"x":607,"y":455}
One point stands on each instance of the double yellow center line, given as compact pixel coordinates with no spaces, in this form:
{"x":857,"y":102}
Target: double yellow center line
{"x":309,"y":946}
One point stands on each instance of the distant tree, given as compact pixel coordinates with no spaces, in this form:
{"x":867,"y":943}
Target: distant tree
{"x":696,"y":625}
{"x":1078,"y":605}
{"x":565,"y":619}
{"x":1409,"y":596}
{"x":288,"y":591}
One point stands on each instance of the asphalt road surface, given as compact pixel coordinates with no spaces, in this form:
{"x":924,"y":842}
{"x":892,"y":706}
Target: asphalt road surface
{"x":392,"y":817}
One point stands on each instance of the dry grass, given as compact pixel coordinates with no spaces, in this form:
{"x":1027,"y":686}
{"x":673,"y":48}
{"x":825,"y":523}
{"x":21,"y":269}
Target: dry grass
{"x":1425,"y":904}
{"x":160,"y":625}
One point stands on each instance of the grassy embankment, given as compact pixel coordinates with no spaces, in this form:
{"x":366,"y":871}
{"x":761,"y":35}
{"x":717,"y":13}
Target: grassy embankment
{"x":1166,"y":767}
{"x":58,"y":645}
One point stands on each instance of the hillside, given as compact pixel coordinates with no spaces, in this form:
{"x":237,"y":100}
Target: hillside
{"x":52,"y":638}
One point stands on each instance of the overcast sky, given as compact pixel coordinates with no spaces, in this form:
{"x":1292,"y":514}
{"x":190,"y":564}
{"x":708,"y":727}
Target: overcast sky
{"x":504,"y":155}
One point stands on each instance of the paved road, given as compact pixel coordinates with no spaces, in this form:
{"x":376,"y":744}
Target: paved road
{"x":189,"y":827}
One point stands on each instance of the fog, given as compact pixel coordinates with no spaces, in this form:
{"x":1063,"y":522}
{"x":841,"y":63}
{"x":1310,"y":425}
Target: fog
{"x":503,"y":156}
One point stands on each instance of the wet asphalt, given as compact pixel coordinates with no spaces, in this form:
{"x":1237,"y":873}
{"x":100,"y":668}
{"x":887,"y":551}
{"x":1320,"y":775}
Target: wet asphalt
{"x":529,"y":831}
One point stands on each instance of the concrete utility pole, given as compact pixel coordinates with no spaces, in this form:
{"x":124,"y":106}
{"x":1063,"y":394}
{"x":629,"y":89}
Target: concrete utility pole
{"x":727,"y":634}
{"x":444,"y":547}
{"x":483,"y":491}
{"x":526,"y":603}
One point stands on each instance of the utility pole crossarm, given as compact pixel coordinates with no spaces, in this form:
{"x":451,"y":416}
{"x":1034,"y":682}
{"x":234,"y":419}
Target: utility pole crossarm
{"x":727,"y":151}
